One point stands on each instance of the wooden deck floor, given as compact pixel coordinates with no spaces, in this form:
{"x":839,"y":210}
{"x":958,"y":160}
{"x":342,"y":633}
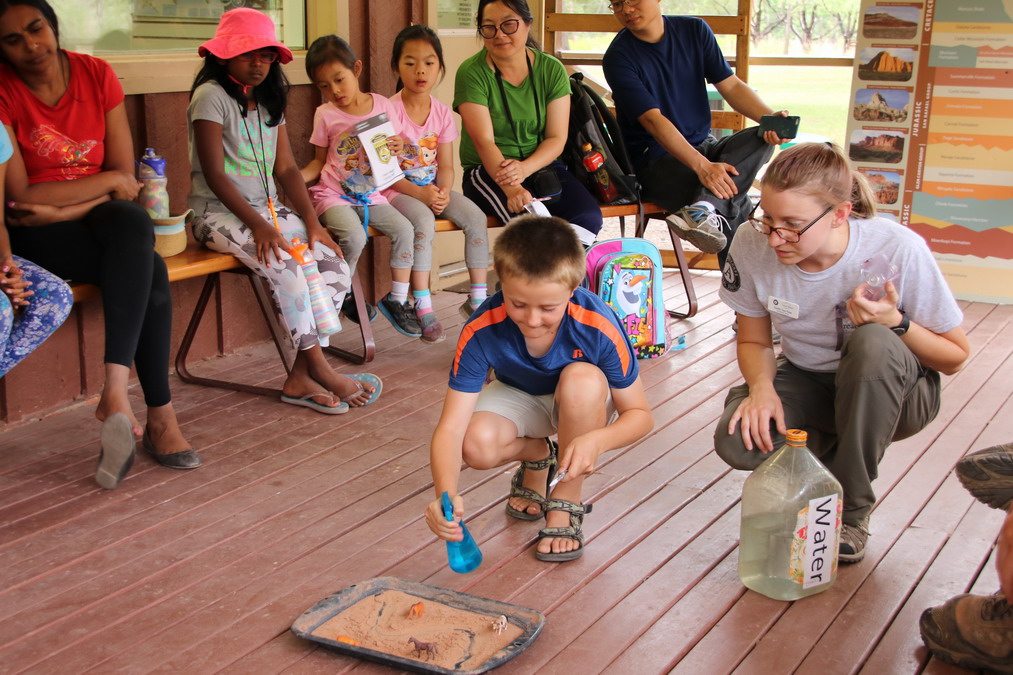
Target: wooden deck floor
{"x":204,"y":571}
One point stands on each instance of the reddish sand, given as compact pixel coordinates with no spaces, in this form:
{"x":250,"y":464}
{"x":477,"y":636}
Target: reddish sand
{"x":464,"y":640}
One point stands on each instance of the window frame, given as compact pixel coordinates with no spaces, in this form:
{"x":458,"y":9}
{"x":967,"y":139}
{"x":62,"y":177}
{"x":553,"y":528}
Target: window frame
{"x":154,"y":73}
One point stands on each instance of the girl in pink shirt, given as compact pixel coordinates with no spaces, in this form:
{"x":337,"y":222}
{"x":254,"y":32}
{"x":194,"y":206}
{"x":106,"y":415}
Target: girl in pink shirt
{"x":429,"y":130}
{"x":345,"y":197}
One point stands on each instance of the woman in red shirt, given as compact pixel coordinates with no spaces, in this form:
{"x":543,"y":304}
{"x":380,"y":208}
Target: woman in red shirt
{"x":71,"y":184}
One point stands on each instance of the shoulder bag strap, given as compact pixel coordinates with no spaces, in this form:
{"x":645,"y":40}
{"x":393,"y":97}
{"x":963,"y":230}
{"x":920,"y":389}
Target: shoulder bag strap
{"x":506,"y":105}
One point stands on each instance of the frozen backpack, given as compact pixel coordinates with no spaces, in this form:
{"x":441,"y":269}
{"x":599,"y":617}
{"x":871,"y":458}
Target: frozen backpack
{"x":627,"y":274}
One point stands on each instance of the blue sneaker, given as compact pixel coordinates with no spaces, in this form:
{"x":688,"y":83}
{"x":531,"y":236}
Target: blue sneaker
{"x":401,"y":315}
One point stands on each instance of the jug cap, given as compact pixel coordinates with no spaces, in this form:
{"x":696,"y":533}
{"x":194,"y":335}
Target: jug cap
{"x":796,"y":437}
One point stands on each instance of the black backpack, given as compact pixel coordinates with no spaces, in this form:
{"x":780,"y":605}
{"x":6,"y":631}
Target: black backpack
{"x":592,"y":122}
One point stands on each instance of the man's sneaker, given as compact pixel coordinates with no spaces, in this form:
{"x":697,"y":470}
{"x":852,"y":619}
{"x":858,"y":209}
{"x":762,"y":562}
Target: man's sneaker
{"x":701,"y":227}
{"x":432,"y":330}
{"x":349,"y":309}
{"x":401,"y":315}
{"x":971,"y":631}
{"x":853,"y":538}
{"x":988,"y":475}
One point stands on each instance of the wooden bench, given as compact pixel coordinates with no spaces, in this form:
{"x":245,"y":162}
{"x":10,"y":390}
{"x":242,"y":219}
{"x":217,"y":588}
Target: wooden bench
{"x":196,"y":261}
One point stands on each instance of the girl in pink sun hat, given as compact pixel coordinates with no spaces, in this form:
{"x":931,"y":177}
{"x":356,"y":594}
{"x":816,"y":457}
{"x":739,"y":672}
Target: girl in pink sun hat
{"x":239,"y":150}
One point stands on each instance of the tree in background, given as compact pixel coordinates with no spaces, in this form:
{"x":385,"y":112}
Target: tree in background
{"x":844,"y":14}
{"x":775,"y":25}
{"x":766,"y":20}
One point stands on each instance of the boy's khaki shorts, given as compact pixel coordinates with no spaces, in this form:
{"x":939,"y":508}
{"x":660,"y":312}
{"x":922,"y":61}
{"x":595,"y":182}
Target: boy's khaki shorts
{"x":534,"y":416}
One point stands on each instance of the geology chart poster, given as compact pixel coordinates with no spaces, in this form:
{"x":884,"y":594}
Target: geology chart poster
{"x":931,"y":127}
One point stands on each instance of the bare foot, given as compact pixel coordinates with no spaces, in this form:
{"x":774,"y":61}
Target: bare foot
{"x":557,"y":544}
{"x":343,"y":386}
{"x":298,"y":385}
{"x":164,"y":432}
{"x":111,"y":403}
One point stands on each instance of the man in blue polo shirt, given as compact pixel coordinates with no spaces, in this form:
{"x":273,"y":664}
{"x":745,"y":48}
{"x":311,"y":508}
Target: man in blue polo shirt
{"x":657,"y":67}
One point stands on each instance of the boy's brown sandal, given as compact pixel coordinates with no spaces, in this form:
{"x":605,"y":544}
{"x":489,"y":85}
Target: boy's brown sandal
{"x":517,"y":488}
{"x":574,"y":531}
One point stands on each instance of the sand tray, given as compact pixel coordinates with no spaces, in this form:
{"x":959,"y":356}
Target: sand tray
{"x":374,"y":620}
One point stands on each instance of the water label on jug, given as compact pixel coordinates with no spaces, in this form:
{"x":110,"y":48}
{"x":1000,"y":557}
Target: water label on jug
{"x":814,"y":545}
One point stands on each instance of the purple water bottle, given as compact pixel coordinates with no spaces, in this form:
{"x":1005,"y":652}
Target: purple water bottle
{"x":153,"y":196}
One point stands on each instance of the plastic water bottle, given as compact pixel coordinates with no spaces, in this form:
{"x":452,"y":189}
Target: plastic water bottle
{"x":791,"y":524}
{"x":153,"y":196}
{"x":325,"y":315}
{"x":876,"y":271}
{"x":464,"y":556}
{"x":595,"y":165}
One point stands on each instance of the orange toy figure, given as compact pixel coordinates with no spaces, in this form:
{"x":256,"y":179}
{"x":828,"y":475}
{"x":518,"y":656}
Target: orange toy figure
{"x":416,"y":610}
{"x":298,"y":249}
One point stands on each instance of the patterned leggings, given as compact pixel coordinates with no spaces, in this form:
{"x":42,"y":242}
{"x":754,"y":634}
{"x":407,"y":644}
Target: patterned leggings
{"x":21,"y":333}
{"x":225,"y":233}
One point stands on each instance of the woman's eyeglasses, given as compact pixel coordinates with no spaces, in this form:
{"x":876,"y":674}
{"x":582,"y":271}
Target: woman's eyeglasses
{"x":508,"y":27}
{"x":617,"y":6}
{"x":757,"y":218}
{"x":265,"y":56}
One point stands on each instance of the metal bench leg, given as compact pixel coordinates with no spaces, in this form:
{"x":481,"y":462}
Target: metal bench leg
{"x":211,"y":285}
{"x":278,"y":335}
{"x":687,"y":279}
{"x":365,"y":329}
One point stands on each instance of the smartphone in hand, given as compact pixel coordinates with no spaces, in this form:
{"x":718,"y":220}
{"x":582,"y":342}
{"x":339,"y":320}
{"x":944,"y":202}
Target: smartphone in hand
{"x":784,"y":127}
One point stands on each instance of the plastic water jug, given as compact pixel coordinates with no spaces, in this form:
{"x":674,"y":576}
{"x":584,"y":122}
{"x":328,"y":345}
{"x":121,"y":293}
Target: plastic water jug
{"x":791,"y":524}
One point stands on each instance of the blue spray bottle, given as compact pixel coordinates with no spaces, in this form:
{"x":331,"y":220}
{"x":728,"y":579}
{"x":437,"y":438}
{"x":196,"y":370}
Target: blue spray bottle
{"x":464,"y":556}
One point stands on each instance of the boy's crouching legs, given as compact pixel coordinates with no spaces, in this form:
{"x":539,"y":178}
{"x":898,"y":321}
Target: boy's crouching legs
{"x":491,"y":441}
{"x":582,"y":405}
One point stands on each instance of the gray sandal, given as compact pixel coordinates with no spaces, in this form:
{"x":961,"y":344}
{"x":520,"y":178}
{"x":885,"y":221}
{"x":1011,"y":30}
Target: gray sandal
{"x":573,"y":531}
{"x":517,"y":488}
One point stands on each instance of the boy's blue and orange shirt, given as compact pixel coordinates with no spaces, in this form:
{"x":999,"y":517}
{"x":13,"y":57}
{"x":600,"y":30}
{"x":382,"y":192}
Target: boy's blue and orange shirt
{"x":589,"y":332}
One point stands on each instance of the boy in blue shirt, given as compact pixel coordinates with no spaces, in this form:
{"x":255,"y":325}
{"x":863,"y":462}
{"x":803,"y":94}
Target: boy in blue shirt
{"x":562,"y":365}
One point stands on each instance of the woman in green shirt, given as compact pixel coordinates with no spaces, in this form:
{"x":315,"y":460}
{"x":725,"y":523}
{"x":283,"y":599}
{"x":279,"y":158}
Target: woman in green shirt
{"x":514,"y":101}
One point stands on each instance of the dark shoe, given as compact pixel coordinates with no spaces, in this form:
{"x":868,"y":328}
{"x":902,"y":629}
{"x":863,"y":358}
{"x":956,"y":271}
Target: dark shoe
{"x":853,"y":538}
{"x":118,"y":450}
{"x":971,"y":631}
{"x":349,"y":309}
{"x":401,"y":315}
{"x":466,"y":310}
{"x":188,"y":459}
{"x":988,"y":475}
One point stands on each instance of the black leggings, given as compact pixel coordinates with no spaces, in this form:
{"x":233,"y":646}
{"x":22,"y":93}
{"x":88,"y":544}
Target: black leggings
{"x":113,"y":247}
